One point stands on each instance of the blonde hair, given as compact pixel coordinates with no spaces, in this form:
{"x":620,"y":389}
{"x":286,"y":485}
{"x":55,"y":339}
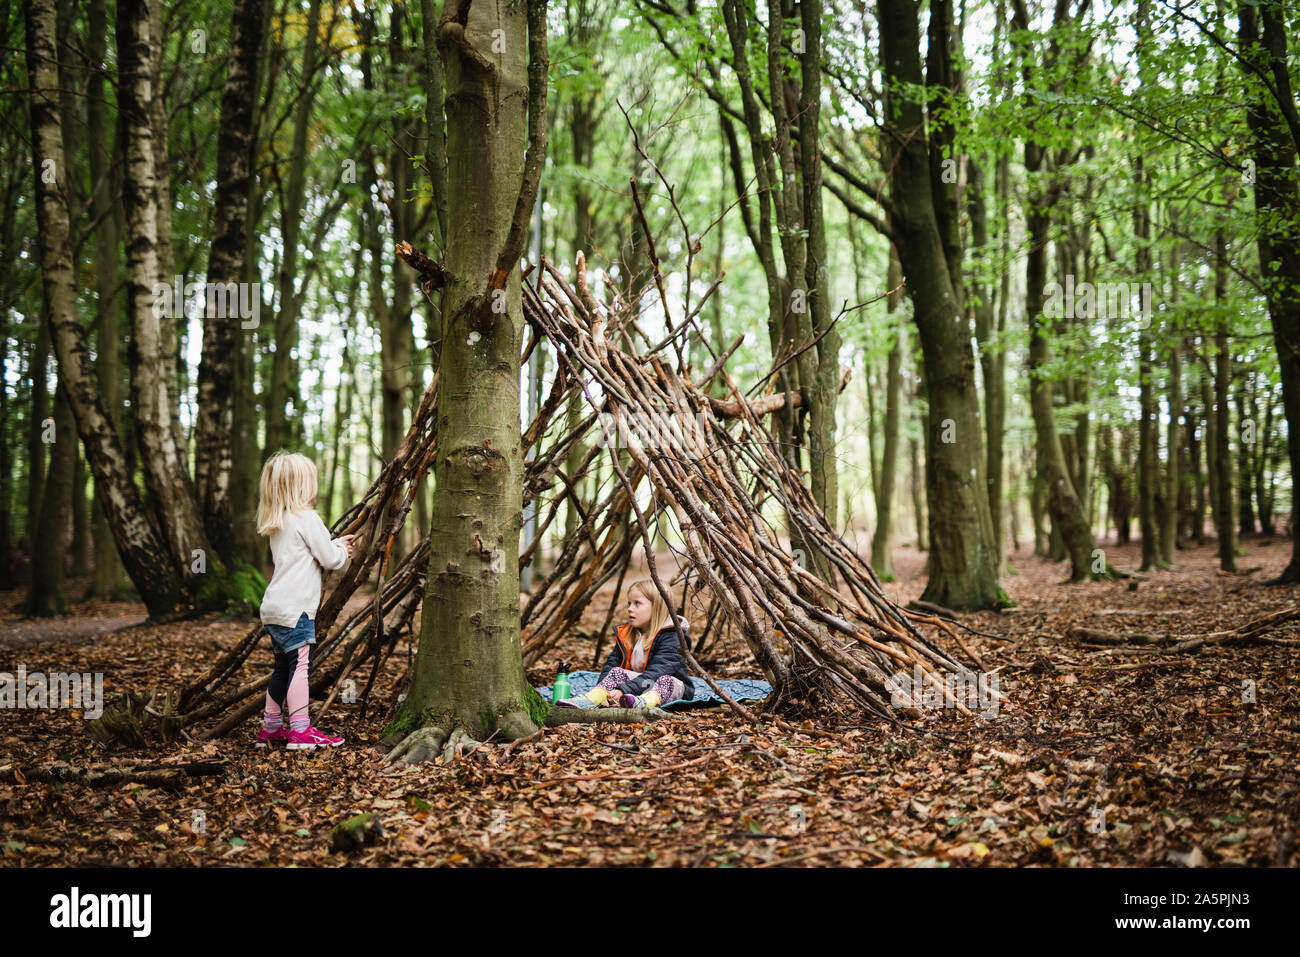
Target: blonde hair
{"x":660,"y":614}
{"x":288,"y":484}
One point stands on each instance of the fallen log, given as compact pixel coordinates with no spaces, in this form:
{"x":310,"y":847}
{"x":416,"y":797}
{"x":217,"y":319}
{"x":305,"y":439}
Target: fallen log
{"x":173,"y":776}
{"x":1096,"y":636}
{"x":558,"y":716}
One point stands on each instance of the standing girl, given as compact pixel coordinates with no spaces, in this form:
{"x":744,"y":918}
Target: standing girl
{"x":647,"y":666}
{"x":300,"y":547}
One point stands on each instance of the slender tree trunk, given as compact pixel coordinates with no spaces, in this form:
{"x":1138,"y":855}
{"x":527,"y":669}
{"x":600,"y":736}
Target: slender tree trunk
{"x":110,"y":577}
{"x":1173,"y":480}
{"x":1196,"y":526}
{"x":80,"y":514}
{"x":1069,"y":518}
{"x":166,"y":473}
{"x":882,"y":552}
{"x":246,"y":448}
{"x":37,"y":366}
{"x":1148,"y":436}
{"x":992,"y":350}
{"x":46,"y":596}
{"x":159,"y":582}
{"x":283,"y":381}
{"x":1224,"y":520}
{"x":822,"y":390}
{"x":435,"y":152}
{"x":6,"y":450}
{"x":918,"y":493}
{"x":1247,"y":433}
{"x":214,"y":425}
{"x":1263,"y":484}
{"x":171,"y":340}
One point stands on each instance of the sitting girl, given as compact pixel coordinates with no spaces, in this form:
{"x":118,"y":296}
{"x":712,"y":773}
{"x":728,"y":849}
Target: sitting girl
{"x":647,"y":666}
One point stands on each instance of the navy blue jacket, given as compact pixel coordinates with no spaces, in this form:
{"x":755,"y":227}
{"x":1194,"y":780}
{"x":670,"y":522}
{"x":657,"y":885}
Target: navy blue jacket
{"x":665,"y":658}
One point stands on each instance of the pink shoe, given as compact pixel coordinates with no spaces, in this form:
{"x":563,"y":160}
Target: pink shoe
{"x":265,"y":737}
{"x":308,"y":740}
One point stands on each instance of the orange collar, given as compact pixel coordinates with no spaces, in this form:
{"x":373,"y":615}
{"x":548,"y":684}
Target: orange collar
{"x":624,"y":634}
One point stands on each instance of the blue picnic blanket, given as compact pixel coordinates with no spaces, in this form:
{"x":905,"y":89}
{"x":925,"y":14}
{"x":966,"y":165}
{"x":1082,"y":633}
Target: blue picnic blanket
{"x":740,"y":689}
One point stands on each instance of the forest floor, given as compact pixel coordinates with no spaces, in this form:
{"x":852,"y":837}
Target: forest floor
{"x":1096,"y":758}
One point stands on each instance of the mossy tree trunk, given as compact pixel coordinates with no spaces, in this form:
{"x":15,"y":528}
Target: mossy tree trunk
{"x":963,"y":561}
{"x":1275,"y":141}
{"x":469,"y":672}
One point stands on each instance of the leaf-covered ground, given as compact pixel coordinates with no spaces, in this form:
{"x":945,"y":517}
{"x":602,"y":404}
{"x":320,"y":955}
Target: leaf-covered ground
{"x":1097,"y":758}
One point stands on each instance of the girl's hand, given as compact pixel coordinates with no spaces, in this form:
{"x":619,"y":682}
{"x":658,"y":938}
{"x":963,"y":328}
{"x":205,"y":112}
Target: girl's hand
{"x":347,"y":543}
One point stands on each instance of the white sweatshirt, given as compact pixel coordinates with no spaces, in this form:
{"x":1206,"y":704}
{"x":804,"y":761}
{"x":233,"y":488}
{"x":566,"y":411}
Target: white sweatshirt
{"x":300,"y":549}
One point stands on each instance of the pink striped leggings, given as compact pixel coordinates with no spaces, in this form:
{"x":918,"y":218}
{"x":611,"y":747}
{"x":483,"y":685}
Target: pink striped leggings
{"x":669,"y":688}
{"x":287,"y":694}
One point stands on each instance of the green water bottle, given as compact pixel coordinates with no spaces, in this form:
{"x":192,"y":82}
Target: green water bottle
{"x":560,"y":690}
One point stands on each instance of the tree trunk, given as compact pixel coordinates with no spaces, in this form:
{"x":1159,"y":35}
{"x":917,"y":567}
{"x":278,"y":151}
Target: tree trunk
{"x":46,"y":596}
{"x":1277,"y":211}
{"x":1148,"y":436}
{"x":214,"y":421}
{"x":821,"y":391}
{"x":1196,"y":523}
{"x":8,"y":247}
{"x":1173,"y":480}
{"x":246,"y":448}
{"x":1248,"y":434}
{"x":918,"y":493}
{"x":1263,"y":478}
{"x":80,"y":516}
{"x":992,"y":350}
{"x":882,"y":552}
{"x":283,"y":381}
{"x":171,"y":339}
{"x":435,"y":152}
{"x":165,"y":468}
{"x":582,"y":130}
{"x":110,"y":577}
{"x":1224,"y":519}
{"x":1069,"y":519}
{"x":159,"y":582}
{"x":40,"y":404}
{"x":469,"y":668}
{"x":963,"y":562}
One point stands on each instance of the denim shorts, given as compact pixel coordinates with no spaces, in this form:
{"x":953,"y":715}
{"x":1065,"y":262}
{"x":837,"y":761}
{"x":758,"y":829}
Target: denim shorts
{"x":290,"y":639}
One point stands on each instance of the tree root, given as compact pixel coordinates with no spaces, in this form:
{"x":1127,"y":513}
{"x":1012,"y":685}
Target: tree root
{"x":428,"y":743}
{"x":425,"y":744}
{"x":422,"y":744}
